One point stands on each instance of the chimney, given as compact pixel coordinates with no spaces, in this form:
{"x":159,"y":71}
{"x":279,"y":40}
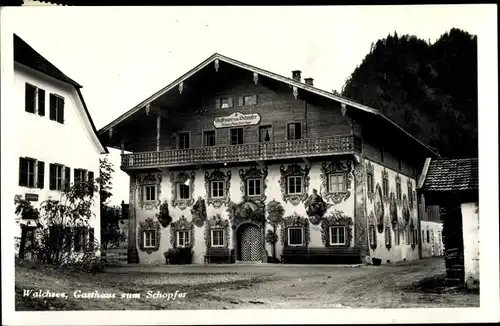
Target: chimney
{"x":296,"y":75}
{"x":309,"y":81}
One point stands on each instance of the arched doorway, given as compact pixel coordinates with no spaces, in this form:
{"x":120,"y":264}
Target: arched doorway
{"x":249,"y":243}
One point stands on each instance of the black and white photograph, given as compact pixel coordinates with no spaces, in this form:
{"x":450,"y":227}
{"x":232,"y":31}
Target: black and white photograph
{"x":246,"y":164}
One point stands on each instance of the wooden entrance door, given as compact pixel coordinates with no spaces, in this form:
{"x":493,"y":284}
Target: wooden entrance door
{"x":250,"y":243}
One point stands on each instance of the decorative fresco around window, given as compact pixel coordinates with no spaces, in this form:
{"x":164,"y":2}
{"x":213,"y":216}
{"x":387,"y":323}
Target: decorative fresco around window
{"x":146,"y":225}
{"x":372,"y":221}
{"x":147,"y":180}
{"x":405,"y":210}
{"x":294,"y":169}
{"x":216,"y":223}
{"x":181,"y":224}
{"x":379,"y":209}
{"x":295,"y":220}
{"x":370,"y":170}
{"x":199,"y":212}
{"x":244,"y":212}
{"x":393,"y":211}
{"x":412,"y":232}
{"x":336,"y":218}
{"x":181,"y":178}
{"x":410,"y":194}
{"x":385,"y":186}
{"x":253,"y":173}
{"x":388,"y":238}
{"x":217,"y":175}
{"x":399,"y":190}
{"x":331,"y":168}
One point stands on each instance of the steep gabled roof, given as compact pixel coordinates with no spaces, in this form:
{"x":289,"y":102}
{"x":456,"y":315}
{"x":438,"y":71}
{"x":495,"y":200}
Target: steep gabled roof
{"x":216,"y":57}
{"x":453,"y":175}
{"x":29,"y":57}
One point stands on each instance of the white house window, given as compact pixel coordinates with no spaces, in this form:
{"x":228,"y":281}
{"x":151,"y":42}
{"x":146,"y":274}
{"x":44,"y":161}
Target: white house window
{"x":295,"y":236}
{"x":217,"y":238}
{"x":369,"y":181}
{"x":183,"y":191}
{"x":372,"y":235}
{"x":34,"y":99}
{"x":294,"y":185}
{"x":150,"y":239}
{"x":31,"y":172}
{"x":336,"y":182}
{"x":387,"y":236}
{"x":337,"y":235}
{"x":80,"y":175}
{"x":398,"y":191}
{"x":217,"y":189}
{"x":149,"y":193}
{"x":254,"y":187}
{"x":56,"y":103}
{"x":56,"y":176}
{"x":182,"y":238}
{"x":385,"y":187}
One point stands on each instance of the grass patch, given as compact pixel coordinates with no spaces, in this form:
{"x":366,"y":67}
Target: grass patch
{"x":437,"y":284}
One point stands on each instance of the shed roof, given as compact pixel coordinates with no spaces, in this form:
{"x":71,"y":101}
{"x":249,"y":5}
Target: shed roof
{"x":451,"y":175}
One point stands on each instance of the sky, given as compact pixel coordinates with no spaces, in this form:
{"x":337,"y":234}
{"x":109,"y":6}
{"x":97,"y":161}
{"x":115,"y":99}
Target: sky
{"x":122,"y":55}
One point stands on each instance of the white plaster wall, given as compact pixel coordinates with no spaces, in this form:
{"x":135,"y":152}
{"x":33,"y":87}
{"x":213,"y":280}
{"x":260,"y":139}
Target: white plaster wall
{"x":272,"y":191}
{"x":435,"y":246}
{"x":71,"y":143}
{"x":470,"y":225}
{"x":402,"y":251}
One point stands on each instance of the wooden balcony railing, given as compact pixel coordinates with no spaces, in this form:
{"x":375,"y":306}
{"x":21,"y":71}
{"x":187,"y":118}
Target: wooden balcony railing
{"x":334,"y":145}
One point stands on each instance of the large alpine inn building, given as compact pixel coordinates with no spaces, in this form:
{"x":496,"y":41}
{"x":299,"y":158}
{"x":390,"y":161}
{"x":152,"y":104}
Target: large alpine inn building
{"x":225,"y":140}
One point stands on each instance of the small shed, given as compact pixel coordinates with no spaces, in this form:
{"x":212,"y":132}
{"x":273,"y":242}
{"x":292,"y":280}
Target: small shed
{"x":453,"y":184}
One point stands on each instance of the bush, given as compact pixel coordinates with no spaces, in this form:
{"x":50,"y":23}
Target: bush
{"x":179,"y":256}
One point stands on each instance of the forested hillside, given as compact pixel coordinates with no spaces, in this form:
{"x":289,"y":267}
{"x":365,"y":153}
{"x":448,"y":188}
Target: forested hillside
{"x":428,"y":89}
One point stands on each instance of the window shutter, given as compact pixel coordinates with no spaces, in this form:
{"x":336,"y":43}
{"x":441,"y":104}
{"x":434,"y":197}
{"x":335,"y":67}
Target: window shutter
{"x":69,"y":237}
{"x":30,"y":98}
{"x":60,"y":109}
{"x":52,"y":105}
{"x":67,"y":176}
{"x":40,"y":170}
{"x":91,"y":176}
{"x":52,"y":176}
{"x":23,"y":175}
{"x":217,"y":103}
{"x":91,"y":238}
{"x":77,"y":238}
{"x":41,"y":102}
{"x":230,"y":102}
{"x":240,"y":101}
{"x":254,"y":99}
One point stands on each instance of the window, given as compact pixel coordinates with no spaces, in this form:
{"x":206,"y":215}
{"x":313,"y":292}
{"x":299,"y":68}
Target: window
{"x":182,"y":238}
{"x":295,"y":236}
{"x":217,"y":189}
{"x":337,"y":235}
{"x":396,"y":236}
{"x":369,"y":181}
{"x":56,"y":108}
{"x":373,"y":235}
{"x":226,"y":102}
{"x":67,"y":176}
{"x":398,"y":191}
{"x":149,"y":193}
{"x":294,"y":185}
{"x":209,"y":138}
{"x":183,"y":191}
{"x":423,"y":235}
{"x":30,"y":98}
{"x":254,"y":187}
{"x":56,"y":176}
{"x":217,"y":238}
{"x":410,"y":195}
{"x":249,"y":99}
{"x":294,"y":131}
{"x":336,"y":182}
{"x":407,"y":232}
{"x":183,"y":140}
{"x":385,"y":187}
{"x":31,"y":173}
{"x":387,"y":236}
{"x":79,"y":238}
{"x":80,"y":175}
{"x":265,"y":134}
{"x":237,"y":136}
{"x":150,"y":239}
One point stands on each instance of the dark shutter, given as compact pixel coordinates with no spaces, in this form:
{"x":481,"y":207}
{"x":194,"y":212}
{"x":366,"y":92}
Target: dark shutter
{"x":230,"y":102}
{"x":68,"y":238}
{"x":23,"y":172}
{"x":240,"y":101}
{"x":67,"y":176}
{"x":77,"y":238}
{"x":298,"y":130}
{"x":217,"y":103}
{"x":85,"y":233}
{"x":52,"y":176}
{"x":52,"y":105}
{"x":41,"y":102}
{"x":30,"y":92}
{"x":60,"y":109}
{"x":254,"y":99}
{"x":91,"y":176}
{"x":40,"y":170}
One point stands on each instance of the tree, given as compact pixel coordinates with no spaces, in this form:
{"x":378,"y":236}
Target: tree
{"x":275,"y":213}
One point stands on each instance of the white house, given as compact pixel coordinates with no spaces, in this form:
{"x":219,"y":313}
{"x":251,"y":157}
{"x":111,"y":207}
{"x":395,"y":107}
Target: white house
{"x":55,"y":138}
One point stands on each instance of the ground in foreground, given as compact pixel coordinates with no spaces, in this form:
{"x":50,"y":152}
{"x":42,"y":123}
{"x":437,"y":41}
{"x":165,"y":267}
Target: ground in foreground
{"x":400,"y":285}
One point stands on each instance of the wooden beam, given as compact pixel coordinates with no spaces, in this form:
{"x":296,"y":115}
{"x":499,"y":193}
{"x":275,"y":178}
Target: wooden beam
{"x":122,"y":147}
{"x":158,"y":127}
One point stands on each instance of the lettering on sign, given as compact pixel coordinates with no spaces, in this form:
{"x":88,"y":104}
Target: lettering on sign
{"x":31,"y":197}
{"x":237,"y":119}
